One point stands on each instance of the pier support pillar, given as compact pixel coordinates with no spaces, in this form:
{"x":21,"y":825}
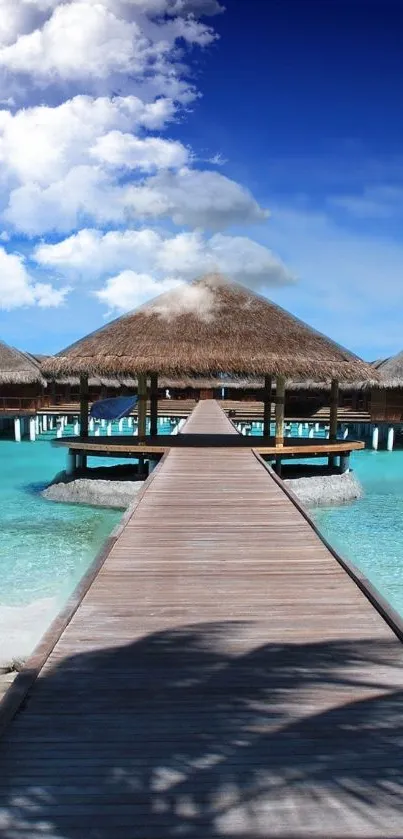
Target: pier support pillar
{"x":334,"y":405}
{"x":154,"y":405}
{"x":142,"y":405}
{"x":81,"y":461}
{"x":267,"y":393}
{"x":32,"y":429}
{"x":391,"y":438}
{"x":277,"y":466}
{"x":280,"y":401}
{"x":344,"y":463}
{"x":71,"y":462}
{"x":17,"y":430}
{"x":44,"y":422}
{"x":375,"y":438}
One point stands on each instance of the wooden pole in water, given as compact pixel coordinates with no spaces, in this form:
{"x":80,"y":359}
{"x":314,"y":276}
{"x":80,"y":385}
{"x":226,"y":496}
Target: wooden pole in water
{"x":334,"y":405}
{"x":142,"y":404}
{"x":280,"y":400}
{"x":266,"y":406}
{"x":154,"y":404}
{"x":84,"y":397}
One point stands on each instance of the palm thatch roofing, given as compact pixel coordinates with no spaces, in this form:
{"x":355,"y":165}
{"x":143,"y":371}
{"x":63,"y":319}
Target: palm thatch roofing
{"x":390,"y":371}
{"x":210,"y":327}
{"x":17,"y":367}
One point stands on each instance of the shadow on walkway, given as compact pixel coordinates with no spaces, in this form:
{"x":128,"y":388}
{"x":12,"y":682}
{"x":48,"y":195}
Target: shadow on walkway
{"x":190,"y":733}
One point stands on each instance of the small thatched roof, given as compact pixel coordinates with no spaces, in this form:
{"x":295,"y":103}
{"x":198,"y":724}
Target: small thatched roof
{"x":209,"y":327}
{"x":17,"y":367}
{"x":390,"y":371}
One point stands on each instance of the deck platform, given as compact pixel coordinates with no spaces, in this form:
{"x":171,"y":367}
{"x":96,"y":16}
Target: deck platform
{"x":220,"y":674}
{"x":132,"y":447}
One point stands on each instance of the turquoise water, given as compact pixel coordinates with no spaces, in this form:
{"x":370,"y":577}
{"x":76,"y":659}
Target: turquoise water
{"x":45,"y":548}
{"x":369,"y":531}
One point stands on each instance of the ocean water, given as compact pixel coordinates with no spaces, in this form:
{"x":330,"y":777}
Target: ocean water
{"x":369,"y":531}
{"x":45,"y":548}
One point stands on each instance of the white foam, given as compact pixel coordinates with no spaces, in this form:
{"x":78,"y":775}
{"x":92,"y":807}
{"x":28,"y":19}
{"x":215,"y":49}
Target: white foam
{"x":21,"y":628}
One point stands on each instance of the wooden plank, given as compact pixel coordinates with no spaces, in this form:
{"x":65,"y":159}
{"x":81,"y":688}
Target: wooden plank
{"x":222,"y":676}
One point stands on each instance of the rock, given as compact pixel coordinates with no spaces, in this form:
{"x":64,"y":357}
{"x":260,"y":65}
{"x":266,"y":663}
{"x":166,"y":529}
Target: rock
{"x":94,"y":493}
{"x":326,"y":490}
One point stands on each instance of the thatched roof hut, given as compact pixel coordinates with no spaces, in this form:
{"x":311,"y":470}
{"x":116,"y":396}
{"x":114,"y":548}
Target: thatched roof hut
{"x":209,"y":327}
{"x":17,"y":367}
{"x":390,"y":371}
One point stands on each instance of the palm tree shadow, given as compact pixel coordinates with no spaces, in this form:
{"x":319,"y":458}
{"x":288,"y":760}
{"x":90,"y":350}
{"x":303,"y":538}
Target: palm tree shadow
{"x":189,"y":733}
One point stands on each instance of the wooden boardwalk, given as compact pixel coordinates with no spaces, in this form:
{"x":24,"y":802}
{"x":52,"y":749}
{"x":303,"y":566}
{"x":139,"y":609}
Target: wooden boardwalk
{"x":222,"y":677}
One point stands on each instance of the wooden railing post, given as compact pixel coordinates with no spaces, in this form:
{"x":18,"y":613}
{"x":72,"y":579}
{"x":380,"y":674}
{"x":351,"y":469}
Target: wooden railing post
{"x":154,"y":404}
{"x":280,"y":400}
{"x":334,"y":405}
{"x":267,"y":406}
{"x":142,"y":404}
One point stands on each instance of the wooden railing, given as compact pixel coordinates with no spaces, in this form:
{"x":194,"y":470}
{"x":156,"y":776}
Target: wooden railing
{"x":19,"y":404}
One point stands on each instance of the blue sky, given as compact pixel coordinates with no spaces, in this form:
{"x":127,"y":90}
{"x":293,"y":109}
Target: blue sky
{"x":153,"y":163}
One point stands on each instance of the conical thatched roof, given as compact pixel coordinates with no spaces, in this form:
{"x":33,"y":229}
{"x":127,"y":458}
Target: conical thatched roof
{"x":17,"y":367}
{"x":209,"y":327}
{"x":390,"y":371}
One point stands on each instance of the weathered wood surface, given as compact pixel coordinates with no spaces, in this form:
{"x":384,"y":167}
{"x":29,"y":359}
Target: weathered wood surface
{"x":223,"y":677}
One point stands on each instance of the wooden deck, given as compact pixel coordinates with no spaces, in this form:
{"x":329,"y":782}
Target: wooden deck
{"x":223,"y":676}
{"x":241,"y":410}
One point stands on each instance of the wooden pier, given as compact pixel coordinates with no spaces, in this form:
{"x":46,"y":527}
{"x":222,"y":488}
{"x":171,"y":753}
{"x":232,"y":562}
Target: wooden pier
{"x":219,"y":674}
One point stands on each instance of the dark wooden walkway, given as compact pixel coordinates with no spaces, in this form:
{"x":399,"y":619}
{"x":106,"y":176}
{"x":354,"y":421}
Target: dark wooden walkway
{"x":223,"y":677}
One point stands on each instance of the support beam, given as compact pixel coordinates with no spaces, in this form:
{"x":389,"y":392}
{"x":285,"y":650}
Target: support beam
{"x":334,"y":406}
{"x":154,"y":405}
{"x":83,"y":415}
{"x":266,"y":406}
{"x":142,"y":405}
{"x":280,"y":401}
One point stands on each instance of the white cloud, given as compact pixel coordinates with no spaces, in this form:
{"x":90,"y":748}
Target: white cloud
{"x":92,"y":255}
{"x":194,"y":198}
{"x":128,"y":289}
{"x":42,"y":144}
{"x":125,"y":150}
{"x":99,"y":39}
{"x":17,"y":287}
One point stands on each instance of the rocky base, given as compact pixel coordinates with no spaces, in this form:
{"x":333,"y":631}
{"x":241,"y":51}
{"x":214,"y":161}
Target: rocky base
{"x":95,"y":493}
{"x":326,"y":490}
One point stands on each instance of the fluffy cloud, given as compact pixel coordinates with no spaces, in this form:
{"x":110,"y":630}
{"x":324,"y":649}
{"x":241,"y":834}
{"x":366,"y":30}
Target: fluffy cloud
{"x":128,"y":289}
{"x":109,"y":75}
{"x":18,"y":289}
{"x":195,"y":198}
{"x":40,"y":145}
{"x":87,"y":40}
{"x":145,"y":262}
{"x":188,"y":197}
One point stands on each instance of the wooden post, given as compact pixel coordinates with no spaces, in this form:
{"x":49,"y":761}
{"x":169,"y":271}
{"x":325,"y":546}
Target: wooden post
{"x":280,"y":400}
{"x":82,"y":459}
{"x":266,"y":406}
{"x":83,"y":406}
{"x":142,"y":404}
{"x":154,"y":405}
{"x":334,"y":404}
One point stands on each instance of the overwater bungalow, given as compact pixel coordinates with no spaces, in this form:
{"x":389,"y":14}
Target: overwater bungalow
{"x":387,"y":395}
{"x":214,"y":329}
{"x":22,"y":387}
